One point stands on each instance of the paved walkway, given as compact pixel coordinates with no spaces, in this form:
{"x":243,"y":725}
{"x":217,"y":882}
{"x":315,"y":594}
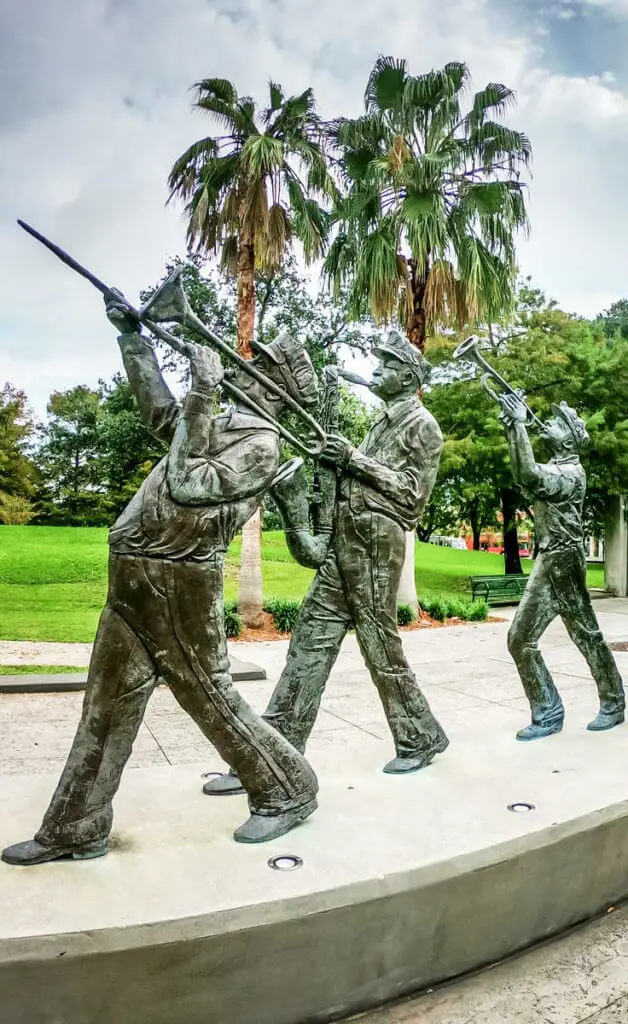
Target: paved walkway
{"x":465,"y":671}
{"x":580,"y":979}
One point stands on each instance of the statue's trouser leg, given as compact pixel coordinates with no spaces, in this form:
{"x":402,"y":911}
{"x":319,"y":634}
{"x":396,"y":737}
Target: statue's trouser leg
{"x":121,"y":678}
{"x":370,"y":549}
{"x":320,"y":629}
{"x":189,"y":647}
{"x":569,"y":578}
{"x":537,"y":609}
{"x":164,"y":619}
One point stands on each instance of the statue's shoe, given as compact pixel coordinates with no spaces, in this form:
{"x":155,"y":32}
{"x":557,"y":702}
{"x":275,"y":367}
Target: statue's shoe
{"x":538,"y":732}
{"x":223,"y":785}
{"x":31,"y":852}
{"x":261,"y":828}
{"x":405,"y":765}
{"x":603,"y":720}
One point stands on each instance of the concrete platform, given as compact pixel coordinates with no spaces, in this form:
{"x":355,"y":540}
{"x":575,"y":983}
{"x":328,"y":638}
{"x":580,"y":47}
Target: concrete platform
{"x":63,"y":682}
{"x":405,"y":881}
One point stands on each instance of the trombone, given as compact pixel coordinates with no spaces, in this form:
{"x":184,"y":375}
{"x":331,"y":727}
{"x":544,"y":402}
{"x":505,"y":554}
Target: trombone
{"x":169,"y":304}
{"x":470,"y":350}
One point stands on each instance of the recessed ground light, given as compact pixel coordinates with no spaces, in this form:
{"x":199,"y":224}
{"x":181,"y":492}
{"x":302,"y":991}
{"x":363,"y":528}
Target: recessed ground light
{"x":520,"y":807}
{"x":209,"y":775}
{"x":285,"y":862}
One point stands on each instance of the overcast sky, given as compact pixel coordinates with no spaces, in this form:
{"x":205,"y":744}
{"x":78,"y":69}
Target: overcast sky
{"x":95,"y":106}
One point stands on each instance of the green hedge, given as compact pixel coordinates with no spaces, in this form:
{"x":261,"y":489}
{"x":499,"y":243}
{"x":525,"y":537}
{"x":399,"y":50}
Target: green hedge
{"x":441,"y":607}
{"x":233,"y":622}
{"x":286,"y":611}
{"x":405,"y":614}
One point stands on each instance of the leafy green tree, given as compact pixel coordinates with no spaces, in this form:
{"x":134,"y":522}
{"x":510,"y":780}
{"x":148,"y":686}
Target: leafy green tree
{"x":248,"y":193}
{"x":126,"y":450}
{"x":614,"y":321}
{"x":552,"y":356}
{"x":431,"y":205}
{"x":432,"y":201}
{"x":17,"y":431}
{"x":73,"y":491}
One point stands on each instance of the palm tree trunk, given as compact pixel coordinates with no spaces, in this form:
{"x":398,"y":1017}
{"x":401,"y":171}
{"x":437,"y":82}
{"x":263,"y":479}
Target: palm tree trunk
{"x":407,"y":584}
{"x":246,"y":294}
{"x":250,"y":590}
{"x":415,"y":327}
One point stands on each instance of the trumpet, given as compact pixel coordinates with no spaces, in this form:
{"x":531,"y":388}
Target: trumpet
{"x":169,"y":304}
{"x":470,"y":350}
{"x":353,"y":378}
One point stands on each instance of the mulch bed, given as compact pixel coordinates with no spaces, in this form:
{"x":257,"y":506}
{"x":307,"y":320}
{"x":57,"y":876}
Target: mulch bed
{"x":267,"y":630}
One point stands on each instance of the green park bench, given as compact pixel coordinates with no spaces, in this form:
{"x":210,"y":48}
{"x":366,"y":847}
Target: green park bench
{"x":498,"y":589}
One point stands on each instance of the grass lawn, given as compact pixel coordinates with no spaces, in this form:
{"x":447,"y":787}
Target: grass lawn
{"x":53,"y":579}
{"x":40,"y":670}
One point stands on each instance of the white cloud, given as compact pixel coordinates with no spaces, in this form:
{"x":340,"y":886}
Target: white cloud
{"x":98,"y":108}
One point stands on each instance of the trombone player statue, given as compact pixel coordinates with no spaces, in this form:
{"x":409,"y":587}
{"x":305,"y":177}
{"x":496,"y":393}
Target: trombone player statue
{"x":557,"y":585}
{"x":164,"y":613}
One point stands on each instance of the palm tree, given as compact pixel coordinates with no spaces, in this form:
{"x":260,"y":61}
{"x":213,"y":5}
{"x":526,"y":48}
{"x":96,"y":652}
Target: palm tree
{"x":432,"y":202}
{"x":433,"y":199}
{"x":248,"y":193}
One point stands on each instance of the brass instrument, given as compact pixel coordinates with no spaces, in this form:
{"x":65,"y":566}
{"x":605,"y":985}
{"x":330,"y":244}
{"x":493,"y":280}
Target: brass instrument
{"x":290,"y":491}
{"x":353,"y":378}
{"x":325,"y":476}
{"x":469,"y":349}
{"x":169,"y":304}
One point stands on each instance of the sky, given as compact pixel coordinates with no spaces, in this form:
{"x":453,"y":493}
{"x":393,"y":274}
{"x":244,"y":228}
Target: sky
{"x":96,"y":105}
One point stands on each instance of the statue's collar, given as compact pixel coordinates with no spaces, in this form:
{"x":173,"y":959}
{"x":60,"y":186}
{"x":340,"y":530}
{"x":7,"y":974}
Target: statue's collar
{"x":566,"y":460}
{"x":397,"y":410}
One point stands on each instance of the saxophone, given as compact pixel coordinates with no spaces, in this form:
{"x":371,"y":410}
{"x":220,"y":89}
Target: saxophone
{"x":290,"y":491}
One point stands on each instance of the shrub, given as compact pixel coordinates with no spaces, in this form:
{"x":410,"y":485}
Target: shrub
{"x":285,"y":612}
{"x":233,"y":622}
{"x":15,"y":511}
{"x":405,"y":615}
{"x":478,"y":610}
{"x":441,"y":607}
{"x":436,"y":606}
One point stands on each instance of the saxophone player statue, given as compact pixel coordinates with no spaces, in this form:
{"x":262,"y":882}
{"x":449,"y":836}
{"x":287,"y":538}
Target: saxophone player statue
{"x":557,"y":585}
{"x":378,"y":492}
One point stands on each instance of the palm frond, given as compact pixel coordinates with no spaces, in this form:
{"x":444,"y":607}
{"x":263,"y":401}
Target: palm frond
{"x":221,"y":88}
{"x":441,"y":295}
{"x":379,"y":271}
{"x":183,"y":173}
{"x":276,"y":95}
{"x":385,"y":86}
{"x":495,"y":97}
{"x":272,"y":245}
{"x":262,"y":155}
{"x":229,"y":255}
{"x":491,"y":143}
{"x":310,"y":225}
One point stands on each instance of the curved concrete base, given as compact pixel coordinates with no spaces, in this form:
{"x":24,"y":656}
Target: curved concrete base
{"x":406,"y":881}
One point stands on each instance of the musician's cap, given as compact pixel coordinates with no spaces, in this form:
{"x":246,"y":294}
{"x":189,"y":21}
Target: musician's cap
{"x":294,"y":367}
{"x":394,"y":344}
{"x":577,"y":426}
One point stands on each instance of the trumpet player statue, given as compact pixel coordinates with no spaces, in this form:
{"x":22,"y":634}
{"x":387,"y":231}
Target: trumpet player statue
{"x":557,"y":585}
{"x":164,"y":613}
{"x":379,"y":492}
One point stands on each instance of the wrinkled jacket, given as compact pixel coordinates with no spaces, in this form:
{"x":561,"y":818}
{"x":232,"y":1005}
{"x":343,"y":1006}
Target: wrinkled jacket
{"x":395,"y":468}
{"x":224,"y":465}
